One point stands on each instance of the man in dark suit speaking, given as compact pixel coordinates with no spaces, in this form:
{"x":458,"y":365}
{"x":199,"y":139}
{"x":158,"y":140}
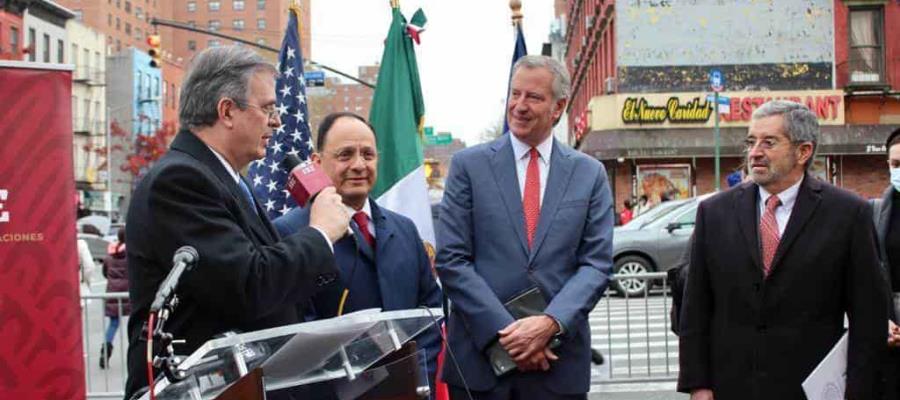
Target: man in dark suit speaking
{"x":247,"y":277}
{"x":775,"y":265}
{"x":385,"y":264}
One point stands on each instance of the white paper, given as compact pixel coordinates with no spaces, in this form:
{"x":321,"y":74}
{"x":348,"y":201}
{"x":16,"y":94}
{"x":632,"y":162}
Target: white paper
{"x":829,"y":380}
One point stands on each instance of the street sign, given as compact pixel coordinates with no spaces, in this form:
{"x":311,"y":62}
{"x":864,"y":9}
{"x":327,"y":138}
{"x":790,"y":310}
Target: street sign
{"x":441,"y":139}
{"x":716,"y":80}
{"x":314,"y":78}
{"x":724,"y":103}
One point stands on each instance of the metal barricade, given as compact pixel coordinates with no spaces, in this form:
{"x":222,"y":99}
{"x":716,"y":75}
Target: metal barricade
{"x":634,"y":333}
{"x":107,"y":382}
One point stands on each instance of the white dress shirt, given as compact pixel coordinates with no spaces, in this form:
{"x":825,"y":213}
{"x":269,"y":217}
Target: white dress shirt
{"x":367,"y":209}
{"x":237,"y":180}
{"x":788,"y":198}
{"x":520,"y":152}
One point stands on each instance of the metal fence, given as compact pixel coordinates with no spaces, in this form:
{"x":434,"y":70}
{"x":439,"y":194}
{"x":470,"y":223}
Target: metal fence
{"x":632,"y":332}
{"x":107,"y":382}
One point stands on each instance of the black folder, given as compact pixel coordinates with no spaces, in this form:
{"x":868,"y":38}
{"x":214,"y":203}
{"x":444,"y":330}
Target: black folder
{"x":529,"y":303}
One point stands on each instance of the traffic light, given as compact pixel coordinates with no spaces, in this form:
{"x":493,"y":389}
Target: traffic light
{"x":155,"y":52}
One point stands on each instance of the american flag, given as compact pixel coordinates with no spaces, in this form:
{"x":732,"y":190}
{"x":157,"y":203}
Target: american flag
{"x":292,"y":137}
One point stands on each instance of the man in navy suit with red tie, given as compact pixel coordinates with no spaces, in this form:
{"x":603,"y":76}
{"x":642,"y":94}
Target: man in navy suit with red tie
{"x":385,"y":265}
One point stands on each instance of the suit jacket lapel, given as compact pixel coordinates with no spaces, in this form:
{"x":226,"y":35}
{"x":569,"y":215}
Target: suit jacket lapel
{"x":747,"y":207}
{"x":554,"y":189}
{"x":384,"y":234}
{"x":189,"y":143}
{"x":503,"y":166}
{"x":808,"y":198}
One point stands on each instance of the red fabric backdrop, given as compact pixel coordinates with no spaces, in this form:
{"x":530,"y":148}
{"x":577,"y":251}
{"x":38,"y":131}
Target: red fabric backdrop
{"x":40,"y":317}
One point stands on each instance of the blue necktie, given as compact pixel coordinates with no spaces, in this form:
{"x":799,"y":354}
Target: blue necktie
{"x":247,"y":195}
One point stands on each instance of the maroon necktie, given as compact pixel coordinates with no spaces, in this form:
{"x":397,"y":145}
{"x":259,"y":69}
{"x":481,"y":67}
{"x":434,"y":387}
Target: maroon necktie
{"x":363,"y":222}
{"x":768,"y":232}
{"x":531,"y":203}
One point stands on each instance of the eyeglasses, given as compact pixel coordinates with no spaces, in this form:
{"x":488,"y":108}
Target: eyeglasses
{"x":270,"y":110}
{"x":765,"y":144}
{"x":347,"y":154}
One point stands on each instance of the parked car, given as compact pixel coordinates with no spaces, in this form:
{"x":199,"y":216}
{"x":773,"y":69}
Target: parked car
{"x":653,"y":242}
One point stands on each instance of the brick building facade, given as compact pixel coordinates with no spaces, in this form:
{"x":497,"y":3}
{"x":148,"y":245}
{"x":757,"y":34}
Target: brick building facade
{"x":640,"y":84}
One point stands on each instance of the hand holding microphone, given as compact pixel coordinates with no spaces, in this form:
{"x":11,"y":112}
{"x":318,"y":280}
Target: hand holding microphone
{"x":329,"y":214}
{"x":307,"y":183}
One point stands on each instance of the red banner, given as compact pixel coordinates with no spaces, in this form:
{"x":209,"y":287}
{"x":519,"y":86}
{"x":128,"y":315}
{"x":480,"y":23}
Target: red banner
{"x":40,"y":317}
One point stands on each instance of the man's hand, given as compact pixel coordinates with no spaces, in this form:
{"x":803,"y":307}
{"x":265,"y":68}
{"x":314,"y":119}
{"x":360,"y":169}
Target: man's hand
{"x":702,"y":394}
{"x":329,"y":214}
{"x":893,"y":334}
{"x":526,"y":342}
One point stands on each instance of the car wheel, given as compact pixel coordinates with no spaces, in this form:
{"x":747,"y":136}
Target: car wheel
{"x":630,"y":265}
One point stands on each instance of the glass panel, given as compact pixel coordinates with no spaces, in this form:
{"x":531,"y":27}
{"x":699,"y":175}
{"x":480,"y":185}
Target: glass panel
{"x":297,"y":354}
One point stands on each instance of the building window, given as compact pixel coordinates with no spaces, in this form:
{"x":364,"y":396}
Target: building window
{"x":118,"y":24}
{"x":128,"y":6}
{"x":261,"y":23}
{"x":156,"y":87}
{"x":238,"y":24}
{"x":214,"y":43}
{"x":260,"y":4}
{"x":192,"y":6}
{"x":138,"y":34}
{"x":866,"y":45}
{"x":238,"y":5}
{"x":118,"y":3}
{"x":215,"y":5}
{"x":165,"y":93}
{"x":14,"y":39}
{"x":73,"y":56}
{"x":192,"y":45}
{"x":118,"y":45}
{"x":60,"y":51}
{"x":214,"y":25}
{"x":139,"y":13}
{"x":192,"y":24}
{"x":261,"y":41}
{"x":109,"y":19}
{"x":46,"y":48}
{"x":86,"y":60}
{"x":128,"y":28}
{"x":32,"y":44}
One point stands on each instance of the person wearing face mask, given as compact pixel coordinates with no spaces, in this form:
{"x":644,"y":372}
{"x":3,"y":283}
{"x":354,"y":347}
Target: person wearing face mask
{"x":887,"y":224}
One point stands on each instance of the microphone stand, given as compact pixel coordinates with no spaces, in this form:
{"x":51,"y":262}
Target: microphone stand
{"x":167,"y":362}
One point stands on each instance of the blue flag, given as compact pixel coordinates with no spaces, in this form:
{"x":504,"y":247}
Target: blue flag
{"x":518,"y":53}
{"x":267,"y":179}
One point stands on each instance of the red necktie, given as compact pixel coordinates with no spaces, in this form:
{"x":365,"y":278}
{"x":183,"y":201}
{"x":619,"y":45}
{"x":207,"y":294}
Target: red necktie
{"x":768,"y":232}
{"x":363,"y":222}
{"x":531,"y":203}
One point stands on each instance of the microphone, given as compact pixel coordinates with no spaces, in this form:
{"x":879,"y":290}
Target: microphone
{"x":305,"y":179}
{"x":185,"y":258}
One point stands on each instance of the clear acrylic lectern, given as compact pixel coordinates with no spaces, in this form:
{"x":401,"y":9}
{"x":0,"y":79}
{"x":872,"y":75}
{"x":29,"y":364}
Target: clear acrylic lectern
{"x":295,"y":355}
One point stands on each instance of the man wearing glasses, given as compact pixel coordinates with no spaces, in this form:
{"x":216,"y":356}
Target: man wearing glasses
{"x":247,"y":278}
{"x":776,"y":262}
{"x":385,"y":264}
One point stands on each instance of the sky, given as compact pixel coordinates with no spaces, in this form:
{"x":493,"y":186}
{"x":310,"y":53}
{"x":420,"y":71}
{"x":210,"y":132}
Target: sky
{"x":464,"y":57}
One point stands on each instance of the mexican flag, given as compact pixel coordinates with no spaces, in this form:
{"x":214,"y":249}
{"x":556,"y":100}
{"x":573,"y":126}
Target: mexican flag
{"x":397,"y":116}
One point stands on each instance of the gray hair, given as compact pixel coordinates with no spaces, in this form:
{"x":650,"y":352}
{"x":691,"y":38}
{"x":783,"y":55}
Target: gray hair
{"x":561,"y":79}
{"x":800,"y":124}
{"x":215,"y":73}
